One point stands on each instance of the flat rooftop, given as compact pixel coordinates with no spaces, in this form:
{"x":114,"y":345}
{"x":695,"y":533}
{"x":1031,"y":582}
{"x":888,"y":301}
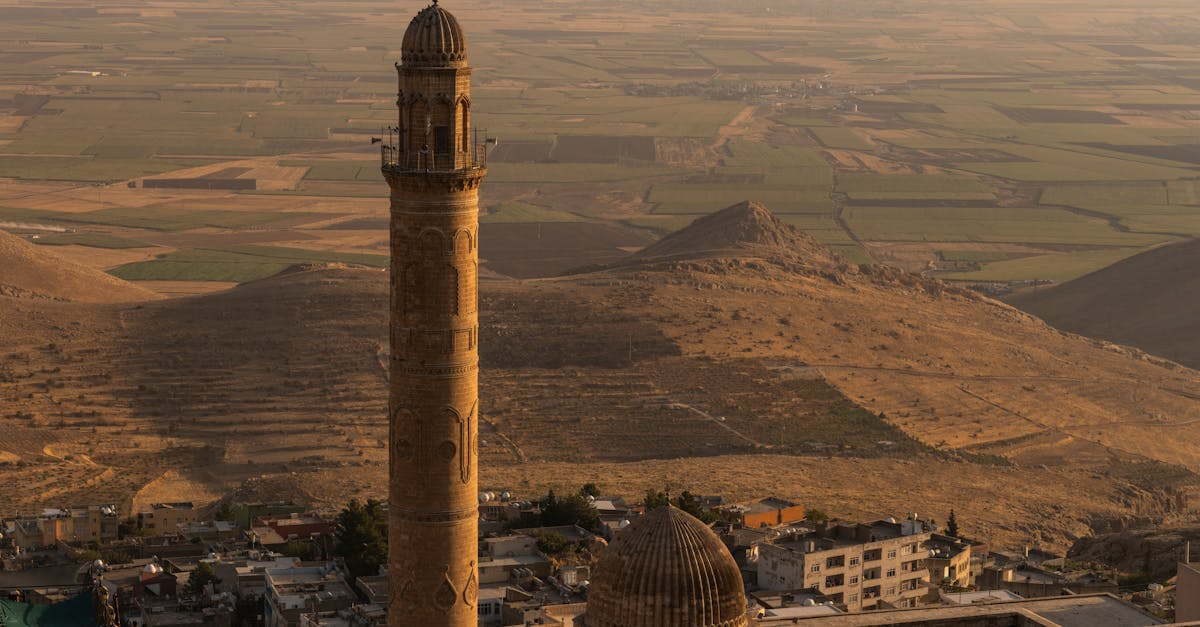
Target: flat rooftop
{"x":1089,"y":610}
{"x":879,"y":531}
{"x":981,"y":596}
{"x":769,"y":504}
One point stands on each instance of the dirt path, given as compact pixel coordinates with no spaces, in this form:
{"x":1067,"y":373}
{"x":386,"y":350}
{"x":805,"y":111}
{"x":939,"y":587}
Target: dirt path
{"x":720,"y":422}
{"x":737,"y":127}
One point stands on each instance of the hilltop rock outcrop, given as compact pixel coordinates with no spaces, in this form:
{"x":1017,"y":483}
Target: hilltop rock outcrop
{"x":747,"y":229}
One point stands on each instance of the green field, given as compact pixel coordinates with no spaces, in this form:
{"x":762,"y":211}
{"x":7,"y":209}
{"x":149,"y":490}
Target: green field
{"x":570,"y":172}
{"x":234,"y":263}
{"x":335,"y":170}
{"x":1001,"y":124}
{"x":180,"y":219}
{"x":974,"y":256}
{"x":989,"y":224}
{"x":840,"y":137}
{"x":1059,"y":267}
{"x":524,"y":212}
{"x":93,"y":240}
{"x":706,"y":198}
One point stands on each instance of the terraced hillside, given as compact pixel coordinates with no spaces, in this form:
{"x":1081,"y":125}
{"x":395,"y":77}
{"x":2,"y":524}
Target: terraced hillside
{"x":753,"y":366}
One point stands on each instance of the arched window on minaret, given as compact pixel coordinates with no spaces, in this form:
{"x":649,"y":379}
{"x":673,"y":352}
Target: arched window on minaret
{"x":464,"y":124}
{"x":462,"y":243}
{"x":443,"y":140}
{"x":418,"y":126}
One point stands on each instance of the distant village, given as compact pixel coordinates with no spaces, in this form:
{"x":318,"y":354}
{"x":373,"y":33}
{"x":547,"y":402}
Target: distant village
{"x":280,"y":564}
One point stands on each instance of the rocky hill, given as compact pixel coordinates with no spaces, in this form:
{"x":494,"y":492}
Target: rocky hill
{"x":746,"y":229}
{"x":741,"y":365}
{"x":1151,"y":301}
{"x":28,"y":271}
{"x":1154,"y":553}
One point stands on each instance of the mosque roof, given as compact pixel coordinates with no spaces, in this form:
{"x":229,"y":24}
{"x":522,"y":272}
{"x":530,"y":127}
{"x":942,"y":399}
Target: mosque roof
{"x":666,"y":569}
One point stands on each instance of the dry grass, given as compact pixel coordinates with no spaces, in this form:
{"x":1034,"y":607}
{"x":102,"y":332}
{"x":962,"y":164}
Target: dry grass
{"x":590,"y":378}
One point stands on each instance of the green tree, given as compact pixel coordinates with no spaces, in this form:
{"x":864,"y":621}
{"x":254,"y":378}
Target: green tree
{"x":656,"y":499}
{"x":224,"y":512}
{"x":202,"y":576}
{"x":690,"y":504}
{"x":589,"y":489}
{"x":815,"y":515}
{"x":360,"y":537}
{"x":552,"y":543}
{"x":952,"y":525}
{"x":305,"y":550}
{"x":129,"y":528}
{"x":571,"y":510}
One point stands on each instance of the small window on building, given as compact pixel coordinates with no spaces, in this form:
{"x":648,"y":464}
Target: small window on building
{"x":891,"y":572}
{"x":816,"y":568}
{"x":853,"y":579}
{"x":853,"y":598}
{"x":854,"y":561}
{"x":892,"y":554}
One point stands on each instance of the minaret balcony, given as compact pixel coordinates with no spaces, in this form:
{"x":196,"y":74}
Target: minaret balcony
{"x":394,"y":157}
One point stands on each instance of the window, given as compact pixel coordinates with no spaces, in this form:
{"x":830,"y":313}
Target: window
{"x":816,"y":568}
{"x":853,"y":579}
{"x":906,"y":549}
{"x":892,"y":554}
{"x":442,"y":143}
{"x":891,"y":591}
{"x":854,"y":561}
{"x":853,"y":598}
{"x":891,"y":572}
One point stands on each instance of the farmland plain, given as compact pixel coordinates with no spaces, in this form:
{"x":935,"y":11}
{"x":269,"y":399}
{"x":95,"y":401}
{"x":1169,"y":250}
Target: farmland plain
{"x":1046,"y":144}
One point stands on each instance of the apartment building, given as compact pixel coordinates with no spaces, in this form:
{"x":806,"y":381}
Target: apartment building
{"x":293,"y":592}
{"x":949,"y":562}
{"x":164,"y":518}
{"x":82,"y":523}
{"x":869,"y":566}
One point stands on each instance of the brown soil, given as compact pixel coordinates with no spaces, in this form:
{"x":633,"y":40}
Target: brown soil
{"x":528,"y":249}
{"x":1155,"y":553}
{"x":740,"y":365}
{"x":1150,"y":301}
{"x":29,"y":271}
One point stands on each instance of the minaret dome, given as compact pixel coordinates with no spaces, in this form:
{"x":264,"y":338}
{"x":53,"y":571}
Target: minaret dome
{"x":434,"y":39}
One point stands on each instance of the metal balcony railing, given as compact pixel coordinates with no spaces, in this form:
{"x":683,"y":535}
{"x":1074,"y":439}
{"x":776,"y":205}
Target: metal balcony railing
{"x":393,"y":156}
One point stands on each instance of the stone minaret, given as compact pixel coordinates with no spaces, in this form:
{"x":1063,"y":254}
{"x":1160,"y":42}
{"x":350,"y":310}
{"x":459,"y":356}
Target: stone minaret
{"x":434,"y":166}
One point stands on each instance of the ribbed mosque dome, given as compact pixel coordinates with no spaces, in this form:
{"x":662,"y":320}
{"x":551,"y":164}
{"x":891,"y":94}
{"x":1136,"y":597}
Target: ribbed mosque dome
{"x":434,"y":39}
{"x":666,"y":569}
